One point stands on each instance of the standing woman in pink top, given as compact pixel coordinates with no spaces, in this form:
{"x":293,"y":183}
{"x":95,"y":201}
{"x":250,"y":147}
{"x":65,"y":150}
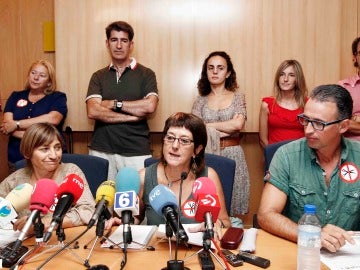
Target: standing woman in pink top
{"x":278,"y":113}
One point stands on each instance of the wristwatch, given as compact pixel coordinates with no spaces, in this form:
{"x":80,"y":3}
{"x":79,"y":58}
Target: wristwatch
{"x":117,"y":105}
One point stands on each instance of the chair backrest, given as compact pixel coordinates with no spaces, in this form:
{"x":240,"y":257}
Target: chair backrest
{"x":225,"y":168}
{"x":269,"y":152}
{"x":94,"y":168}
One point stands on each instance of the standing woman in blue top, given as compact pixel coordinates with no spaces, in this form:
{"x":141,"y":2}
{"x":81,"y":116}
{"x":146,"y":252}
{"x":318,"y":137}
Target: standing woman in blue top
{"x":39,"y":102}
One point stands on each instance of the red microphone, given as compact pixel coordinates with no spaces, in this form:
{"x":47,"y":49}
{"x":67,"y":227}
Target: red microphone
{"x":203,"y":185}
{"x":207,"y":203}
{"x":41,"y":200}
{"x":68,"y":193}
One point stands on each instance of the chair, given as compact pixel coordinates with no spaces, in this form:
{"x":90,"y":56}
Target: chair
{"x":225,"y":168}
{"x":94,"y":168}
{"x":269,"y":152}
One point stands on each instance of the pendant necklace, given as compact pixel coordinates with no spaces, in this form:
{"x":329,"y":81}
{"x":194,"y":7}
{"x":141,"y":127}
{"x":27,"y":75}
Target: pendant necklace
{"x":170,"y":183}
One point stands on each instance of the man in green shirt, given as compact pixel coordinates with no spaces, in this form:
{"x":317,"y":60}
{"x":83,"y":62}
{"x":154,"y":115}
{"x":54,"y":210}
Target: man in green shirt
{"x":320,"y":169}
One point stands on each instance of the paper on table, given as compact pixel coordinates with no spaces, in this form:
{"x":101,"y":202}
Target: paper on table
{"x":8,"y":236}
{"x":194,"y":238}
{"x":348,"y":257}
{"x":141,"y":235}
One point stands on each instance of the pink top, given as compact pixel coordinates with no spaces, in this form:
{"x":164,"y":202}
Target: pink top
{"x":282,"y":123}
{"x":352,"y":84}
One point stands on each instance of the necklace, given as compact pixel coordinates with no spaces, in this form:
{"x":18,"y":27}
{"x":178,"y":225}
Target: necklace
{"x":170,"y":183}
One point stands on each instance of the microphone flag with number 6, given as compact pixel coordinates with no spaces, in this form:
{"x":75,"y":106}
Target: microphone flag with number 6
{"x":207,"y":201}
{"x":127,"y":200}
{"x":68,"y":193}
{"x":15,"y":201}
{"x":104,"y":198}
{"x":164,"y":202}
{"x":126,"y":197}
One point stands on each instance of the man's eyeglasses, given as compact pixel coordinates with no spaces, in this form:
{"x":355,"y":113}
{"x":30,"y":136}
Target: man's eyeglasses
{"x":316,"y":124}
{"x":172,"y":139}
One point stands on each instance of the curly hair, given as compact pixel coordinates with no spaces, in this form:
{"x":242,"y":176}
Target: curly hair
{"x":203,"y":84}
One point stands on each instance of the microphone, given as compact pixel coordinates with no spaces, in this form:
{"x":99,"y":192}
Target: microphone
{"x":207,"y":203}
{"x":41,"y":200}
{"x":68,"y":193}
{"x":163,"y":201}
{"x":104,"y":198}
{"x":126,"y":199}
{"x":15,"y":201}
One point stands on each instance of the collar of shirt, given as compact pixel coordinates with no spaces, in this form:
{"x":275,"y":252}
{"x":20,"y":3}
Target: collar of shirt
{"x":352,"y":81}
{"x":132,"y":66}
{"x":343,"y":155}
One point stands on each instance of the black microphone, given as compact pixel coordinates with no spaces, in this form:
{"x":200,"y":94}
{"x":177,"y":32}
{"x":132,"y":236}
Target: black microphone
{"x":69,"y":192}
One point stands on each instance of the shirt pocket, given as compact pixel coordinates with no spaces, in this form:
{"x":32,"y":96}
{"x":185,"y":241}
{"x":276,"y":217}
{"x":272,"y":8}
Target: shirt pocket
{"x":300,"y":195}
{"x":351,"y":201}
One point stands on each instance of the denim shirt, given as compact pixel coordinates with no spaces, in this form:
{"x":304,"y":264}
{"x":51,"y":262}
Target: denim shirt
{"x":295,"y":171}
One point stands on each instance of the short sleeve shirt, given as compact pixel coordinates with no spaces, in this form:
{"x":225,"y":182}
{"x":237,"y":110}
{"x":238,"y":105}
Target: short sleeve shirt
{"x":21,"y":108}
{"x":295,"y":171}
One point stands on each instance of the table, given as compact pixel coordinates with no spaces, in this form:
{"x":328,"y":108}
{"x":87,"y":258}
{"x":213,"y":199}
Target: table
{"x":280,"y":252}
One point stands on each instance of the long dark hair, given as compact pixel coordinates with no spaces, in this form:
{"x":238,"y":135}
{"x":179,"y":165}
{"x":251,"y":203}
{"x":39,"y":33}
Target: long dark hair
{"x":203,"y":84}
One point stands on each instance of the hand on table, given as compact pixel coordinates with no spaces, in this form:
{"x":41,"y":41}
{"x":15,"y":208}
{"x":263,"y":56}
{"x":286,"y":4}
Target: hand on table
{"x":333,"y":237}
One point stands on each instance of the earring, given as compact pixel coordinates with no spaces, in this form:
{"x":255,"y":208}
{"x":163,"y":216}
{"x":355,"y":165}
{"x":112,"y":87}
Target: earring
{"x":194,"y":165}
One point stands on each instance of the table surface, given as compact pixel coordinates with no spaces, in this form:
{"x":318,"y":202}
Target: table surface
{"x":280,"y":252}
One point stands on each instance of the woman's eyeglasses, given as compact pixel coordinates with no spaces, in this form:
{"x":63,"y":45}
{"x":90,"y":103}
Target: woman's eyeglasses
{"x":172,"y":139}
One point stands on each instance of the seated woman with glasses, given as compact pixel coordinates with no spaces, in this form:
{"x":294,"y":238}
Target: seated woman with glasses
{"x":183,"y":150}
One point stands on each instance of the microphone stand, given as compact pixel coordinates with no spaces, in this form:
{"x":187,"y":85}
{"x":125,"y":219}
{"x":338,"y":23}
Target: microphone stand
{"x":208,"y":237}
{"x":61,"y":245}
{"x":100,"y":227}
{"x":39,"y":232}
{"x":177,"y":264}
{"x":169,"y":234}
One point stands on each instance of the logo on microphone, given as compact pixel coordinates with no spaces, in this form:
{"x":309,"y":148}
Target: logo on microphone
{"x":5,"y":210}
{"x":188,"y":208}
{"x":75,"y":179}
{"x":197,"y":185}
{"x":155,"y":193}
{"x":209,"y":200}
{"x":124,"y":199}
{"x":127,"y":200}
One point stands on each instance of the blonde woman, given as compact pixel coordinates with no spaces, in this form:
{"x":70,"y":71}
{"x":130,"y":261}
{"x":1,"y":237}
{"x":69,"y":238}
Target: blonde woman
{"x":39,"y":102}
{"x":278,"y":113}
